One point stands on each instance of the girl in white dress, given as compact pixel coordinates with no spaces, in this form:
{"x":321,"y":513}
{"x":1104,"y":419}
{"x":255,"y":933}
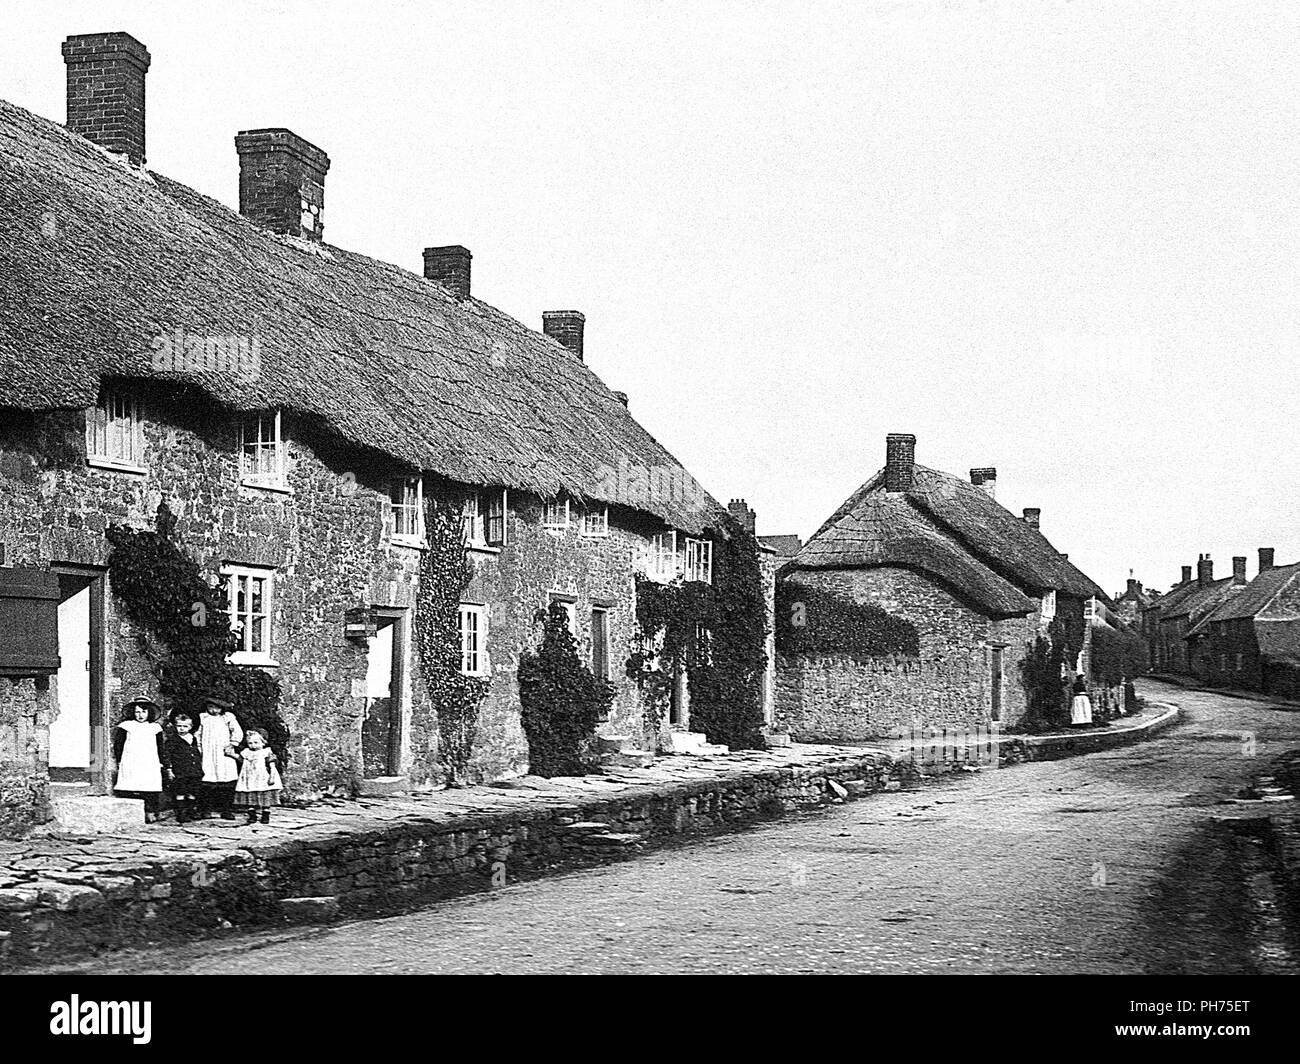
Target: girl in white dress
{"x":259,"y":779}
{"x":219,"y":734}
{"x":138,"y":750}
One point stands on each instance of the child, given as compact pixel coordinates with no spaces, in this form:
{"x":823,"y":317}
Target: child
{"x":138,"y":750}
{"x":183,"y":765}
{"x":1080,"y":705}
{"x":219,"y":734}
{"x":259,"y":779}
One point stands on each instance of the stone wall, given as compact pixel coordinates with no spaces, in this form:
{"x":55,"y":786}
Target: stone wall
{"x":24,"y":753}
{"x":839,"y":697}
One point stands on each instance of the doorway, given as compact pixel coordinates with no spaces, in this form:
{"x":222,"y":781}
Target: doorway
{"x":78,"y":733}
{"x":385,"y":715}
{"x":995,"y":682}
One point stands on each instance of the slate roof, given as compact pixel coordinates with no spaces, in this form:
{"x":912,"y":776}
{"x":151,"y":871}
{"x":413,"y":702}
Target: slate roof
{"x":1256,"y":596}
{"x":1196,"y":600}
{"x":953,"y":530}
{"x":99,"y":258}
{"x":785,"y":546}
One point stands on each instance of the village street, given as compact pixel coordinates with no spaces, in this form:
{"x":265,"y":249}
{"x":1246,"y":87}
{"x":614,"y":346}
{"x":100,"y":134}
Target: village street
{"x":1106,"y":863}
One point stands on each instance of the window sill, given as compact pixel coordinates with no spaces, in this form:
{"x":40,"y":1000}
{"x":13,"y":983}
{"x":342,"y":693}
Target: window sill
{"x":247,"y":657}
{"x":555,"y":530}
{"x":115,"y":466}
{"x":278,"y":486}
{"x":482,"y":548}
{"x":414,"y":542}
{"x":594,"y":535}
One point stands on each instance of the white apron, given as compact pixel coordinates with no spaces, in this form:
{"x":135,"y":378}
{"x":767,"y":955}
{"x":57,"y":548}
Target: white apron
{"x":139,"y":769}
{"x":1080,"y":710}
{"x":215,"y":734}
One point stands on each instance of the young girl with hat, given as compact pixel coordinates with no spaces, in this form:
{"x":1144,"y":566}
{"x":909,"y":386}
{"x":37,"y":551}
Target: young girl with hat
{"x":138,"y":751}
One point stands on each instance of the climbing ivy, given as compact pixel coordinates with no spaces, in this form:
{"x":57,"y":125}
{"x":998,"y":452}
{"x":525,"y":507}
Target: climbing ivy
{"x":163,"y":591}
{"x":811,"y":620}
{"x":716,"y":632}
{"x":560,"y":702}
{"x":1046,"y":698}
{"x":445,"y":573}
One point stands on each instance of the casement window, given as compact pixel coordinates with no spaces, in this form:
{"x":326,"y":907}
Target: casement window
{"x":663,"y":556}
{"x":261,"y":451}
{"x":473,"y":640}
{"x":570,"y":607}
{"x":595,"y":523}
{"x":250,"y":602}
{"x":1049,"y":605}
{"x":703,"y":654}
{"x":600,"y":642}
{"x":555,"y":514}
{"x":115,"y":431}
{"x":699,"y":560}
{"x":406,"y":497}
{"x":484,"y":518}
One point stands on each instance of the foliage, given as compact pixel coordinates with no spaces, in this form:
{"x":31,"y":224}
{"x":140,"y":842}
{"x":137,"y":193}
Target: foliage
{"x":811,"y":620}
{"x":1117,"y":655}
{"x":163,"y":591}
{"x":1046,"y":699}
{"x":717,"y":633}
{"x":445,"y":573}
{"x":561,"y":702}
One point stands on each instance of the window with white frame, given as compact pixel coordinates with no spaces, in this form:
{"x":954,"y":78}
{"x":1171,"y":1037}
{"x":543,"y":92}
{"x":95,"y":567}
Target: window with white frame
{"x":406,"y":497}
{"x":555,"y":514}
{"x":494,"y":527}
{"x":663,"y":556}
{"x":473,"y":640}
{"x":570,"y":607}
{"x":250,"y":601}
{"x":261,"y":450}
{"x":471,"y":520}
{"x":114,"y":430}
{"x":703,"y":649}
{"x":595,"y":522}
{"x":699,"y":560}
{"x":484,"y":518}
{"x":600,"y":642}
{"x":1049,"y":605}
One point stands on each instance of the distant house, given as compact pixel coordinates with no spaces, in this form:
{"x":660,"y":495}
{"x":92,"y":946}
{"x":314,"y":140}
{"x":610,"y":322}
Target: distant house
{"x":1179,"y":642}
{"x":915,"y":603}
{"x":1130,"y":602}
{"x":1253,"y":637}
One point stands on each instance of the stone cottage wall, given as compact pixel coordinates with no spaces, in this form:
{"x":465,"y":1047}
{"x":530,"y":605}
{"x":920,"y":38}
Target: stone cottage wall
{"x":839,"y":697}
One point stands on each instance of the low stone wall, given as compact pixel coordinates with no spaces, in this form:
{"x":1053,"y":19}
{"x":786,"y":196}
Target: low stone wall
{"x":1055,"y":747}
{"x":409,"y":861}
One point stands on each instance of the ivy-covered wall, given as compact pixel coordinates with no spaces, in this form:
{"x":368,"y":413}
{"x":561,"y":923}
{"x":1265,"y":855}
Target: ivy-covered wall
{"x":884,"y":649}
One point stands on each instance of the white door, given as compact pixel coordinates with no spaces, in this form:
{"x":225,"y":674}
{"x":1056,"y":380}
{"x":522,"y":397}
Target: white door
{"x":70,"y":730}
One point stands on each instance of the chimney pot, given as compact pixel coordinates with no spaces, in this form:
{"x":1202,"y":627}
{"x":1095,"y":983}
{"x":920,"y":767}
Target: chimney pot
{"x":282,"y":182}
{"x":1032,"y":516}
{"x":1239,"y":570}
{"x":449,"y":267}
{"x":986,"y":478}
{"x":1265,"y":559}
{"x":900,"y":461}
{"x":565,"y":327}
{"x":106,"y":74}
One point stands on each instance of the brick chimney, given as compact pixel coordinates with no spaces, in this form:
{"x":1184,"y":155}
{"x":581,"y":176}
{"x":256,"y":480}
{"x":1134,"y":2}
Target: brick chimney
{"x":282,"y":182}
{"x":1239,"y":570}
{"x":1134,"y":586}
{"x":900,"y":461}
{"x":106,"y":91}
{"x":449,"y":266}
{"x":1265,"y":559}
{"x":986,"y":478}
{"x":1032,"y":516}
{"x":740,"y":510}
{"x":566,"y":327}
{"x":1204,"y":570}
{"x":1187,"y":574}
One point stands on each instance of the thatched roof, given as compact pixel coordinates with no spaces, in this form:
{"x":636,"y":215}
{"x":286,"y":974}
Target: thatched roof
{"x":100,"y":259}
{"x":952,"y":529}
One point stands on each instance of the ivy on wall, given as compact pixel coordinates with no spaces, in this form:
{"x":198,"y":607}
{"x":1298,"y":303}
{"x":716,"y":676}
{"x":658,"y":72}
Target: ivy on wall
{"x":811,"y":620}
{"x":560,"y":702}
{"x":163,"y":591}
{"x":1117,"y":656}
{"x":445,"y":573}
{"x":1046,"y":695}
{"x":716,"y":632}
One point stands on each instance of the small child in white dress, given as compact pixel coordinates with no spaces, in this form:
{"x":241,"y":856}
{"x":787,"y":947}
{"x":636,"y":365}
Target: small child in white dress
{"x":259,"y":777}
{"x":138,"y":749}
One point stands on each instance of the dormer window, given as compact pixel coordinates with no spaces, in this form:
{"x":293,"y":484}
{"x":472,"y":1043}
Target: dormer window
{"x":115,"y":431}
{"x":495,"y":526}
{"x":261,"y":451}
{"x":484,"y":518}
{"x":406,"y":497}
{"x":555,"y":514}
{"x":699,"y":560}
{"x":663,"y":556}
{"x":595,"y":523}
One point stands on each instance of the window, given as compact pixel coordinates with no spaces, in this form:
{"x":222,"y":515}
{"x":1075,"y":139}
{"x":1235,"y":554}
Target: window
{"x":484,"y":518}
{"x":570,"y":607}
{"x":596,"y":522}
{"x":495,"y":532}
{"x":473,"y":640}
{"x":703,"y":650}
{"x":699,"y":560}
{"x":600,"y":642}
{"x":249,"y":600}
{"x":407,"y":496}
{"x":114,"y":432}
{"x":472,"y":520}
{"x":261,"y":451}
{"x":663,"y":556}
{"x":1049,"y":605}
{"x":555,"y":514}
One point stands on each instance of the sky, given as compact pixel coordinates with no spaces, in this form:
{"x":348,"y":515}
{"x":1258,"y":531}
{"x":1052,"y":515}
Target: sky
{"x":1054,"y":238}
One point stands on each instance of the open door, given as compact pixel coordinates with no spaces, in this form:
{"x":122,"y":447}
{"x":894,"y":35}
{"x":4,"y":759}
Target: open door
{"x":381,"y":730}
{"x":78,"y":732}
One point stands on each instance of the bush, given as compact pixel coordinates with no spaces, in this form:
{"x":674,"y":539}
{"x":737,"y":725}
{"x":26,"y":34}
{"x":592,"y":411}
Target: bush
{"x":561,"y":702}
{"x":1046,"y":700}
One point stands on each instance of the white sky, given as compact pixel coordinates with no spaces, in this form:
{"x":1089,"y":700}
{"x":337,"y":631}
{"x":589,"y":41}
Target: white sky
{"x":1055,"y":238}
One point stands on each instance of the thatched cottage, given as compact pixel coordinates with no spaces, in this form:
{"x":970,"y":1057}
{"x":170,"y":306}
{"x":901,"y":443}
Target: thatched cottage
{"x":914,"y":604}
{"x":293,"y":404}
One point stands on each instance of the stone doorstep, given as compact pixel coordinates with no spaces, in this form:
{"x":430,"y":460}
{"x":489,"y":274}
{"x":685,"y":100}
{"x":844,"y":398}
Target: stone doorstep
{"x":96,"y":814}
{"x":383,"y":786}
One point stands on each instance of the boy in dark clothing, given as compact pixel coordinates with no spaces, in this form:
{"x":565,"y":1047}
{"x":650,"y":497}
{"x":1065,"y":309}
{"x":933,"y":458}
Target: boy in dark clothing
{"x":183,"y":765}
